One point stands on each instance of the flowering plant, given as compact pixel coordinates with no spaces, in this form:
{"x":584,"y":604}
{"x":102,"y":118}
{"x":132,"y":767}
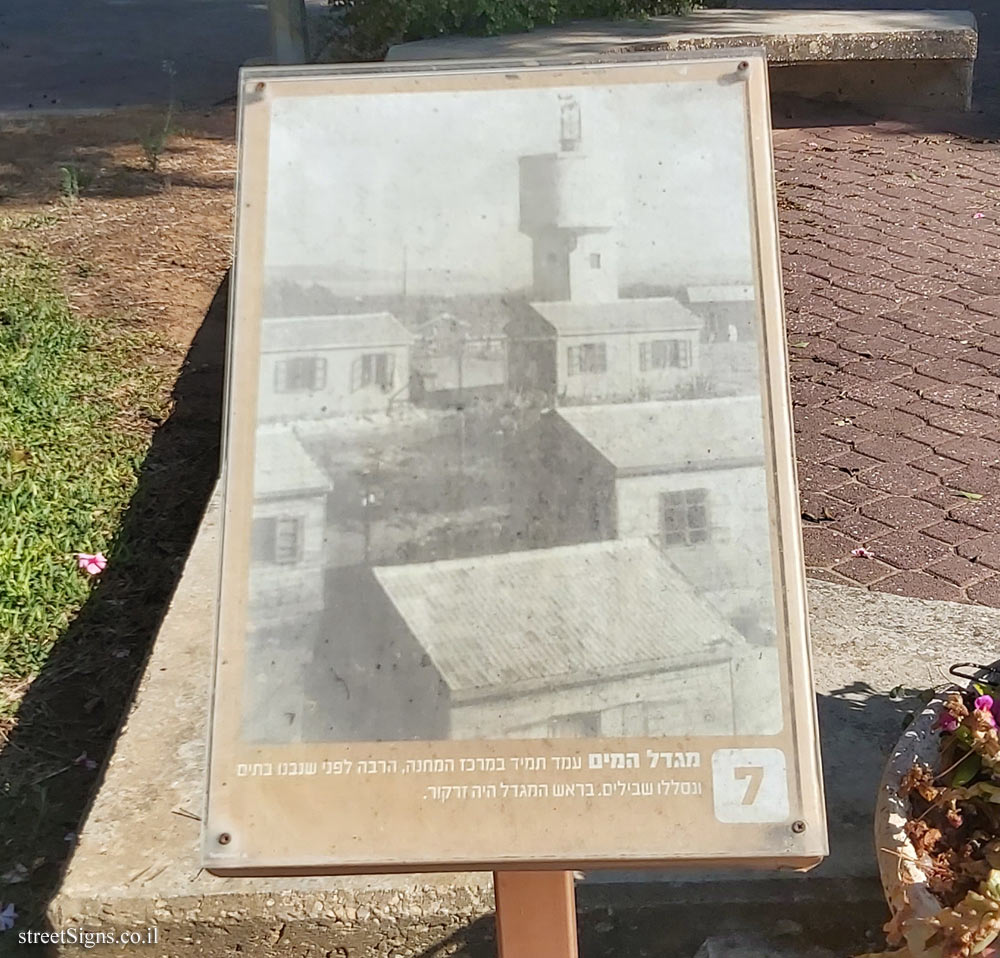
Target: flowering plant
{"x":954,"y":827}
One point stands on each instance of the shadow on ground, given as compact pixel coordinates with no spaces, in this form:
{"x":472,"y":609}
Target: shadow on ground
{"x":71,"y":713}
{"x":655,"y":926}
{"x":107,"y":153}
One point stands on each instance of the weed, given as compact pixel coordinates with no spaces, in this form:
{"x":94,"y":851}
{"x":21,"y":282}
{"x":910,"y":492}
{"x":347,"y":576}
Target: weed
{"x":72,"y":180}
{"x":154,"y":140}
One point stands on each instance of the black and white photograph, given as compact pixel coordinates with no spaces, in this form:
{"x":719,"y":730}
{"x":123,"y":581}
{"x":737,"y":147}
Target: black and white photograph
{"x":511,"y":477}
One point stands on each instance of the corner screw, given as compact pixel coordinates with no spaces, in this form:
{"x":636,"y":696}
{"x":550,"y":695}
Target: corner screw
{"x":797,"y":827}
{"x":225,"y":838}
{"x":259,"y":87}
{"x":743,"y":65}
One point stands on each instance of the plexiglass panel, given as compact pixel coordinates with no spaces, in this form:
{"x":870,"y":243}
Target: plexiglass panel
{"x":508,"y":463}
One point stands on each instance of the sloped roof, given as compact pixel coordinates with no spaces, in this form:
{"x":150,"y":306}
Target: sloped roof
{"x":283,"y":467}
{"x":672,"y":434}
{"x":563,"y":615}
{"x":661,"y":314}
{"x":303,"y":333}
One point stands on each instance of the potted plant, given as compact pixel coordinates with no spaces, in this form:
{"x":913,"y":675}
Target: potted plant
{"x":938,"y":827}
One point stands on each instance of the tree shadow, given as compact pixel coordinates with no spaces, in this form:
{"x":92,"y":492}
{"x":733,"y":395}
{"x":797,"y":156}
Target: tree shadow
{"x":71,"y":713}
{"x":106,"y":152}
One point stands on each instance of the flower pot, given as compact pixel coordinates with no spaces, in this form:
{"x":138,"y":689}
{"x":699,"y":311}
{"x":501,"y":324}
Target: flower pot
{"x":903,"y":879}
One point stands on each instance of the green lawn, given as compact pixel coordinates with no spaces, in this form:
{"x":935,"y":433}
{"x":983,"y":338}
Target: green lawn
{"x":77,"y":398}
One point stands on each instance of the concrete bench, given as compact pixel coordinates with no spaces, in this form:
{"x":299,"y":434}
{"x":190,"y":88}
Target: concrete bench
{"x":877,"y":59}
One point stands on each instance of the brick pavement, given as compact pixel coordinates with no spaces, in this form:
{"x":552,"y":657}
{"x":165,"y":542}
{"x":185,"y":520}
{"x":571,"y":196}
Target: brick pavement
{"x":892,"y":290}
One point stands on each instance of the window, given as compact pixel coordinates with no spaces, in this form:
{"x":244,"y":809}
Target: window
{"x":373,"y":369}
{"x":684,"y":517}
{"x":665,"y":354}
{"x":300,"y":374}
{"x":278,"y":539}
{"x":595,"y":260}
{"x":587,"y":358}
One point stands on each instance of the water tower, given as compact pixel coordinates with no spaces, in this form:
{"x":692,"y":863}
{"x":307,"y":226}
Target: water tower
{"x":570,"y":204}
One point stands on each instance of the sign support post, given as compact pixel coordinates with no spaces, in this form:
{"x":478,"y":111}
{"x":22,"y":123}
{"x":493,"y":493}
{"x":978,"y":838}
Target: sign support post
{"x":536,"y":914}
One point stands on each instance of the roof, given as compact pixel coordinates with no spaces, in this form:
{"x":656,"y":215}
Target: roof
{"x":673,"y":434}
{"x":661,"y":314}
{"x":574,"y":613}
{"x":296,"y":333}
{"x":283,"y":467}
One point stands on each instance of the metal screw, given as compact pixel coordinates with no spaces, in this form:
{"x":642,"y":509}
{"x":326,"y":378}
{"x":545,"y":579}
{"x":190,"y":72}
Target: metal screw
{"x":225,"y":838}
{"x":743,"y":65}
{"x":798,"y":827}
{"x":259,"y":87}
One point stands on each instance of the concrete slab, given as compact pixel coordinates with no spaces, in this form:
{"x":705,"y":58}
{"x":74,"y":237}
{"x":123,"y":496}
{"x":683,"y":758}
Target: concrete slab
{"x":137,"y":860}
{"x":789,"y":35}
{"x":879,"y":59}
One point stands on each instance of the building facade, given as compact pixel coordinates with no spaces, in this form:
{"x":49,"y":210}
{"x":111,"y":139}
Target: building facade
{"x":598,"y":639}
{"x":314,"y":367}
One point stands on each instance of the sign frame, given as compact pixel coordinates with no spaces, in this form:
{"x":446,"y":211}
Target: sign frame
{"x":267,"y":824}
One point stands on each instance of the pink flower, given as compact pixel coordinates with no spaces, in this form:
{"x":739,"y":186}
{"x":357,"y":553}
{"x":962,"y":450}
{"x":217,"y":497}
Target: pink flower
{"x":862,"y":553}
{"x":984,"y":704}
{"x":978,"y":216}
{"x":91,"y":564}
{"x":947,"y":722}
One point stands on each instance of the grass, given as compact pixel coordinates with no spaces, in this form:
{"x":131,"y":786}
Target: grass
{"x":77,"y":400}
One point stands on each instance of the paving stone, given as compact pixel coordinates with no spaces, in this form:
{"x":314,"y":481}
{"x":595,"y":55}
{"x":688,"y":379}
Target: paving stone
{"x":863,"y":571}
{"x":888,"y":422}
{"x":902,"y":512}
{"x":950,"y":394}
{"x":978,"y":480}
{"x":806,"y":393}
{"x":951,"y":532}
{"x":961,"y":421}
{"x":948,"y":370}
{"x":924,"y":586}
{"x":928,"y":435}
{"x":819,"y":477}
{"x":880,"y":394}
{"x":984,"y":550}
{"x":860,"y":528}
{"x":908,"y":550}
{"x":986,"y":592}
{"x":819,"y":507}
{"x":880,"y":369}
{"x":957,"y":570}
{"x":940,"y":466}
{"x":823,"y":545}
{"x":856,"y":493}
{"x":819,"y":448}
{"x":896,"y":479}
{"x":984,"y":514}
{"x":972,"y":450}
{"x":895,"y":449}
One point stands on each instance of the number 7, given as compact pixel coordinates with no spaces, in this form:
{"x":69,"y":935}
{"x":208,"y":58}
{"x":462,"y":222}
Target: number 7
{"x":755,"y":776}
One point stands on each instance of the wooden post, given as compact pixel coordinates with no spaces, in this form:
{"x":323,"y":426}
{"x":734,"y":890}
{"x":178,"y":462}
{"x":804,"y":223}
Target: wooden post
{"x":289,"y":31}
{"x":536,"y":914}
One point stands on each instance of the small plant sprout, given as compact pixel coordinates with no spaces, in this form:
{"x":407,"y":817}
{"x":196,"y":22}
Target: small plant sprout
{"x":71,"y":181}
{"x":154,"y":140}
